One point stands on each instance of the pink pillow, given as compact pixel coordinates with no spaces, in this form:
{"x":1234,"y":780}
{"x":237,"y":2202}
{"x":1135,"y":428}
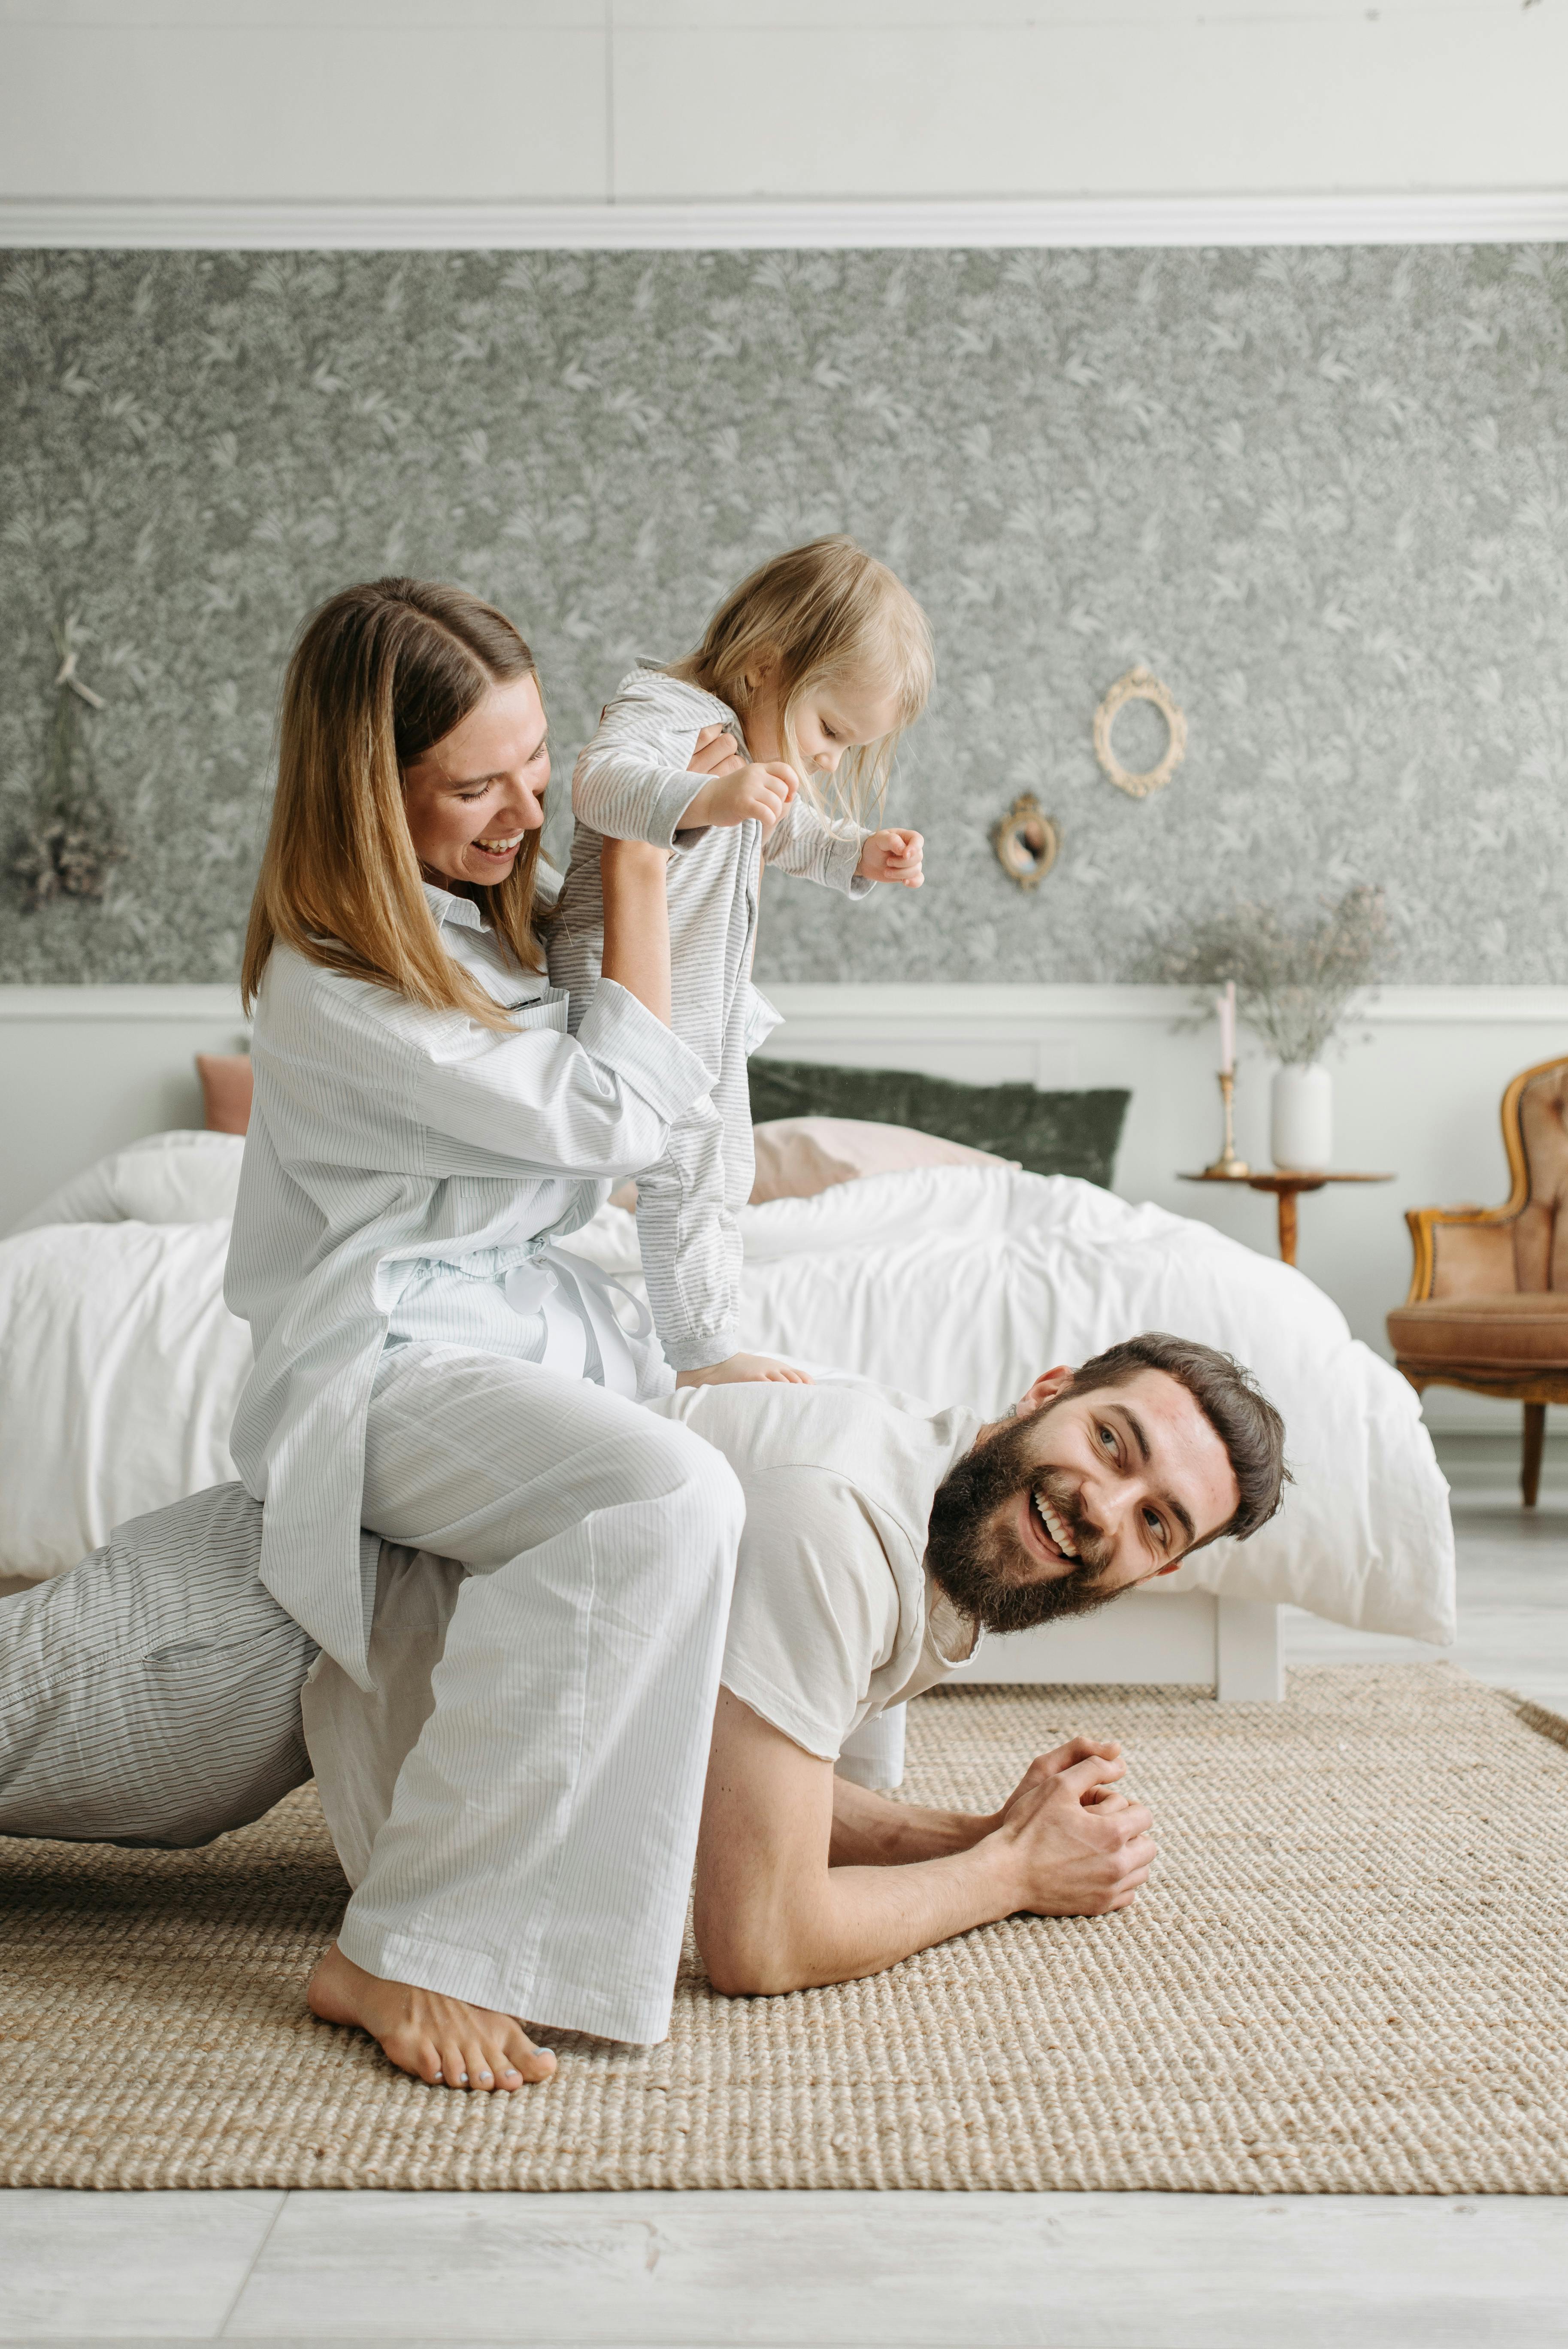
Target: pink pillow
{"x":226,"y":1081}
{"x":798,"y":1156}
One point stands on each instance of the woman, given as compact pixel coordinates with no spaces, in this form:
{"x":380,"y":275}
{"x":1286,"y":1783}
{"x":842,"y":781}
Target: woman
{"x":426,"y":1365}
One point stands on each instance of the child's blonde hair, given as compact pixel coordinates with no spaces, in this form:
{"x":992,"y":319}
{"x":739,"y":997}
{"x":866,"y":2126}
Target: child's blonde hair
{"x":380,"y":676}
{"x":824,"y":613}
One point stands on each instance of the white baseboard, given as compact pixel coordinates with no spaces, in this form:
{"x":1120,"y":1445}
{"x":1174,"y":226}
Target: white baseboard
{"x":1388,"y":216}
{"x":1477,"y":1459}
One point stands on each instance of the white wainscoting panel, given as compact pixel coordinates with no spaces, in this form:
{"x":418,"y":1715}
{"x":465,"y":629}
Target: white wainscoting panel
{"x":85,"y":1069}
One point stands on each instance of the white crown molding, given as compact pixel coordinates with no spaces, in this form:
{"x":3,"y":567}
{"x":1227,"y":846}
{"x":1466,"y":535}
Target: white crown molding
{"x":1481,"y":217}
{"x":883,"y":1007}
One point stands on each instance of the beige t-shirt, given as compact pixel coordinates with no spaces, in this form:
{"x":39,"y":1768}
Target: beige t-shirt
{"x":835,"y":1617}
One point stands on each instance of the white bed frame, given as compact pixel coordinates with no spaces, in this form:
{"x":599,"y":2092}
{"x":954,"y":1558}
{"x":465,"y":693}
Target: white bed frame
{"x":1231,"y":1645}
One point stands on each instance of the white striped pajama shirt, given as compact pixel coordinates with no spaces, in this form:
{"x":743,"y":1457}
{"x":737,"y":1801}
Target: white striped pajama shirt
{"x":632,"y":783}
{"x":405,"y":1175}
{"x":400,"y":1165}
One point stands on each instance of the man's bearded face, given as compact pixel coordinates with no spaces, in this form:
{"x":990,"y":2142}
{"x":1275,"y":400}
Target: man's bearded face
{"x":977,"y":1558}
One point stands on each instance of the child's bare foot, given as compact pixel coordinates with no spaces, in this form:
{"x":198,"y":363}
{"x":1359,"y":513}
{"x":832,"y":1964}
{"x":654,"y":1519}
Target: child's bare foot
{"x":742,"y":1367}
{"x":436,"y":2038}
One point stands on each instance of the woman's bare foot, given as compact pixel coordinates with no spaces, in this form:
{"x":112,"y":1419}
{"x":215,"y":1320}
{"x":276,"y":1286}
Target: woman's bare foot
{"x":437,"y":2039}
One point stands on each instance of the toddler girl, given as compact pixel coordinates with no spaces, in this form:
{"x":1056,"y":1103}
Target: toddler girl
{"x":814,"y":666}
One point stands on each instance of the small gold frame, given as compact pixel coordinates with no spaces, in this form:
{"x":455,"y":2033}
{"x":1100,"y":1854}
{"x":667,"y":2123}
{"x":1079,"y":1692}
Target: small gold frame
{"x":1138,"y":685}
{"x":1028,"y":842}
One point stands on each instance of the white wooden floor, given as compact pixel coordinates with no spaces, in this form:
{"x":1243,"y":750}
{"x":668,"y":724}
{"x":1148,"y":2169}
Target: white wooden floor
{"x":1054,"y":2272}
{"x":1062,"y":2271}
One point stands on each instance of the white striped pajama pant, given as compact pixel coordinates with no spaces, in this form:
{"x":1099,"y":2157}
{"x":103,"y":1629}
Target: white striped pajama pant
{"x":152,"y":1695}
{"x":538,"y":1851}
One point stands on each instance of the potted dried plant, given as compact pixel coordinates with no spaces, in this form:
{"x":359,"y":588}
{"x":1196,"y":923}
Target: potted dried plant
{"x":1295,"y":982}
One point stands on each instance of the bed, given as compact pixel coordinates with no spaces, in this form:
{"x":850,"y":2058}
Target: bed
{"x":122,"y":1367}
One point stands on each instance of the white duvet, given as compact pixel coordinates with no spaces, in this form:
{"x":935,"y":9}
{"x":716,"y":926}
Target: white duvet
{"x":121,"y":1364}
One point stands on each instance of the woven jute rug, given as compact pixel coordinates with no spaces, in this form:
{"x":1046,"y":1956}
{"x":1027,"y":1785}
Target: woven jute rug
{"x":1349,"y":1975}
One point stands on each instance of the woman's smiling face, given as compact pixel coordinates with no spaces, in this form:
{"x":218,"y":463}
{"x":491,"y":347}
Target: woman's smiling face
{"x":472,"y":798}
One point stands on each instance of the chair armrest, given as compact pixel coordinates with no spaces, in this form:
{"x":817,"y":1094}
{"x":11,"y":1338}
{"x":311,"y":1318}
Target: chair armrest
{"x":1461,"y":1252}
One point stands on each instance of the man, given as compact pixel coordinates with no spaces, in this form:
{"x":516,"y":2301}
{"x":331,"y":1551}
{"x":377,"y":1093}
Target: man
{"x":880,"y":1543}
{"x":882,"y":1538}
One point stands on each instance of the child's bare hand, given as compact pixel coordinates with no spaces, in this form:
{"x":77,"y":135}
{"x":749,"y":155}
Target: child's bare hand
{"x":893,"y":856}
{"x":717,"y":753}
{"x":741,"y":1367}
{"x":748,"y":790}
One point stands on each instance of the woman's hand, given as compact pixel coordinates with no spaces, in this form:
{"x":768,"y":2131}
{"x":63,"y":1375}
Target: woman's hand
{"x":740,"y":1367}
{"x":717,"y":753}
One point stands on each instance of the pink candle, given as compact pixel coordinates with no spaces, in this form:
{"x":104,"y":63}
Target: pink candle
{"x":1225,"y":1005}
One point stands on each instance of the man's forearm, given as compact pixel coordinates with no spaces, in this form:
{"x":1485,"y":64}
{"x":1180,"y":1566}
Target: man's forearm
{"x":868,"y":1831}
{"x":771,"y":1916}
{"x":804,"y":1879}
{"x":867,"y":1918}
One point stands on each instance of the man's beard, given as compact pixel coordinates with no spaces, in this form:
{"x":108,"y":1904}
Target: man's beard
{"x":982,"y":1565}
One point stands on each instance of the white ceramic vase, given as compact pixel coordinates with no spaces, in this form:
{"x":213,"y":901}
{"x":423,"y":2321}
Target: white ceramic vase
{"x":1301,"y":1117}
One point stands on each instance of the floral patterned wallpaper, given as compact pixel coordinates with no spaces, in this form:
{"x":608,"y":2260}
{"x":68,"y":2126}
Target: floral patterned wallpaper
{"x":1323,"y":494}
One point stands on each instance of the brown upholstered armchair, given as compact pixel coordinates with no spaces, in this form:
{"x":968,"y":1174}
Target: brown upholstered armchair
{"x":1488,"y":1308}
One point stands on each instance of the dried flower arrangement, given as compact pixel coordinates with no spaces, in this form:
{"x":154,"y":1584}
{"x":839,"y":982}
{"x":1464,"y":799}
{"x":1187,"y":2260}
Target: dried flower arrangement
{"x":1294,"y":982}
{"x":68,"y":847}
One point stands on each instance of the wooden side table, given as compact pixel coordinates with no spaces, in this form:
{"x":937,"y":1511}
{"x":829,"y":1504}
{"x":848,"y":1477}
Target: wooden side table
{"x":1287,"y":1188}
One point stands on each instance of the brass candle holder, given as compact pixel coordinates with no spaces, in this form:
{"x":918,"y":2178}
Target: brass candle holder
{"x":1227,"y":1163}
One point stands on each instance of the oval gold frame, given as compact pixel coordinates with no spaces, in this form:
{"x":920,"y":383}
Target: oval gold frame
{"x":1138,"y":685}
{"x":1028,"y":842}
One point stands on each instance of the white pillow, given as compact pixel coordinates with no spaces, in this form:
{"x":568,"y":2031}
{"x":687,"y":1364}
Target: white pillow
{"x":168,"y":1178}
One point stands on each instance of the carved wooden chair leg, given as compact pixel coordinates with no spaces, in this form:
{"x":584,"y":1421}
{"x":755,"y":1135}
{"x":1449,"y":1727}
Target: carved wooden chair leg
{"x":1535,"y":1441}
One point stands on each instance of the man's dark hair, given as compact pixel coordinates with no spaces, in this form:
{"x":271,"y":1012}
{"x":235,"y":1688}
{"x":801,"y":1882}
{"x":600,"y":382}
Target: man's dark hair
{"x":1230,"y":1399}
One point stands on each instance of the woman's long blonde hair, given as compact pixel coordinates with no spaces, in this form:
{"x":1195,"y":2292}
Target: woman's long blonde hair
{"x":380,"y":676}
{"x":825,"y":613}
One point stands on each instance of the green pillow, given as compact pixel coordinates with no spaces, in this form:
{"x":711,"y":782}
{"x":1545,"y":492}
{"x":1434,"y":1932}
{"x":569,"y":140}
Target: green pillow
{"x":1047,"y":1133}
